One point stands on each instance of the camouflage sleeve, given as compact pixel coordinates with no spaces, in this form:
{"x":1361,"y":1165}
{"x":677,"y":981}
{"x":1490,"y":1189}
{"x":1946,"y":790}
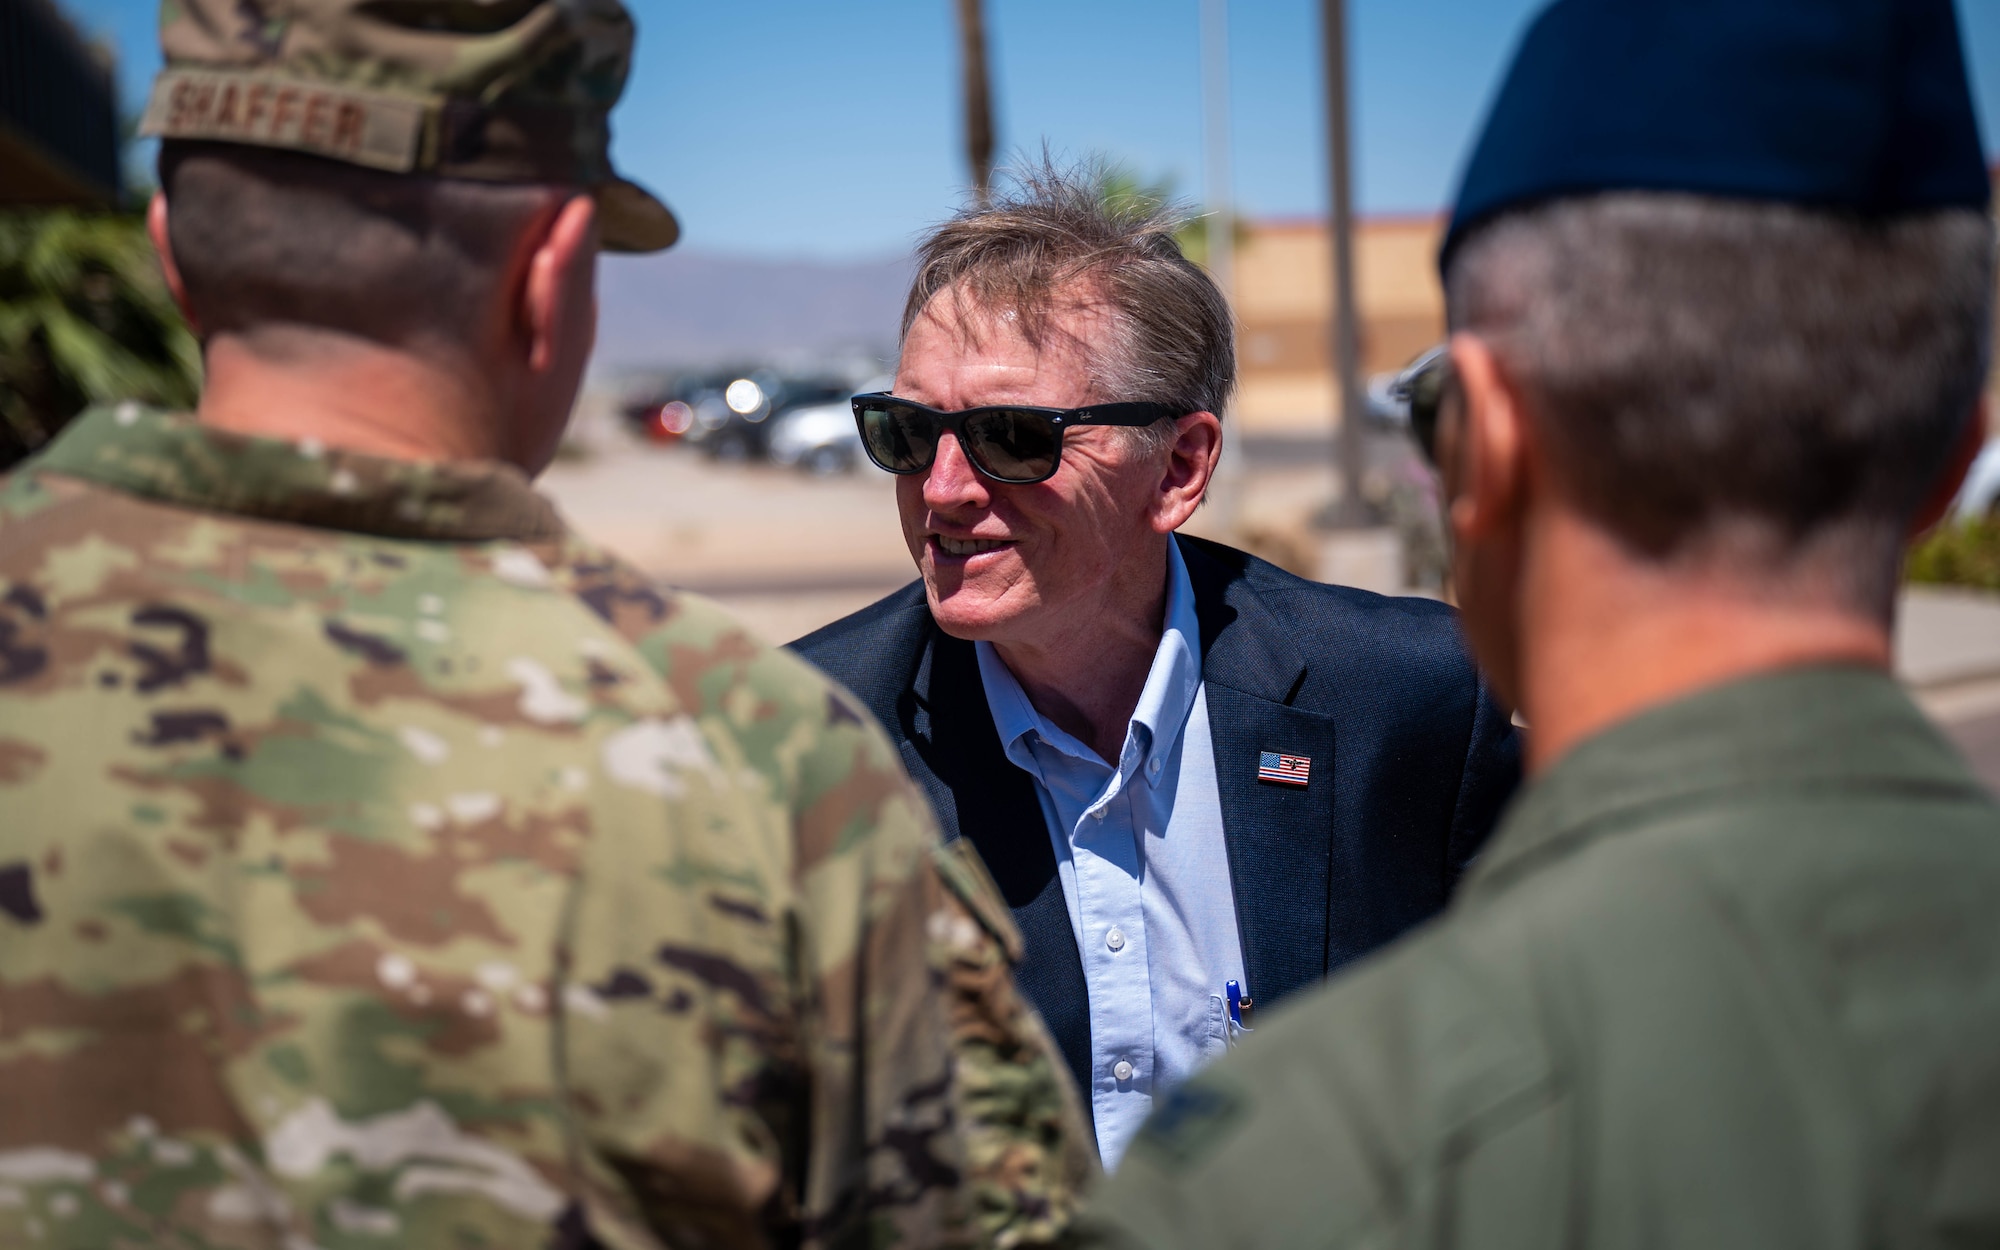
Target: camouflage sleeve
{"x":890,"y":1082}
{"x":1025,"y":1140}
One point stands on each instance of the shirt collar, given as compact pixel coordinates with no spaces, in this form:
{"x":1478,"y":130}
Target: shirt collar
{"x":1808,"y":729}
{"x":1164,"y":702}
{"x":177,"y":460}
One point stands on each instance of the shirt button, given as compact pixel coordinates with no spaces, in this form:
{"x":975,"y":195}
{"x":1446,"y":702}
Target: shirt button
{"x":1153,"y":767}
{"x":1122,"y":1070}
{"x":1097,"y":813}
{"x":1115,"y":939}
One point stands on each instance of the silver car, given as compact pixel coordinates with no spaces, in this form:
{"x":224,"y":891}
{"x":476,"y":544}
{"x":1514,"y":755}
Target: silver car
{"x":821,"y":439}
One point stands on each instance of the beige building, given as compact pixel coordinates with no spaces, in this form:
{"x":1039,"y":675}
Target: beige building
{"x":1283,"y":296}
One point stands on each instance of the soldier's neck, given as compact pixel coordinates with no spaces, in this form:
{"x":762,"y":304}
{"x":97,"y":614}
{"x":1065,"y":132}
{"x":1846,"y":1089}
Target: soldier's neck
{"x":1605,"y":637}
{"x":348,"y":393}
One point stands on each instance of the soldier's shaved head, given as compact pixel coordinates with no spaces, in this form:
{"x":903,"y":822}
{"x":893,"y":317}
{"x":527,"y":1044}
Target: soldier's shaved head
{"x":266,"y":239}
{"x":1745,"y":385}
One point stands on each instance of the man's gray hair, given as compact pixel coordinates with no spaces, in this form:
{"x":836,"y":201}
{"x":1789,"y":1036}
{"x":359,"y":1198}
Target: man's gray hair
{"x":1057,"y":234}
{"x":1774,"y":387}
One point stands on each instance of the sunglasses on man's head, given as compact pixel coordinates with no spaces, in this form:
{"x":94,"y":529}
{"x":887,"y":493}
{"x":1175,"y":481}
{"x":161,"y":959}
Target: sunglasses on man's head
{"x":1422,"y":387}
{"x":1009,"y":443}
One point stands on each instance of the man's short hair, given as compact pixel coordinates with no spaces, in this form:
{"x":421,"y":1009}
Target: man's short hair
{"x":1722,"y":378}
{"x":1055,"y":235}
{"x":264,"y":238}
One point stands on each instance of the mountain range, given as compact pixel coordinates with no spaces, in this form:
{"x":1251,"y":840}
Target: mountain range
{"x":680,"y":308}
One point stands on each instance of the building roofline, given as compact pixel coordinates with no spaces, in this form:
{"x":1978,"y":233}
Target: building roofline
{"x":1302,"y":223}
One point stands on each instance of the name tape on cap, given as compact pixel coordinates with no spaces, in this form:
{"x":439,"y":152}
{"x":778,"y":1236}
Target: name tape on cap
{"x":368,"y":128}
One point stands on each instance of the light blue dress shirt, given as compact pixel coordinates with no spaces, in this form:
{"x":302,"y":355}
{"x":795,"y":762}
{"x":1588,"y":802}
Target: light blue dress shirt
{"x":1144,"y":870}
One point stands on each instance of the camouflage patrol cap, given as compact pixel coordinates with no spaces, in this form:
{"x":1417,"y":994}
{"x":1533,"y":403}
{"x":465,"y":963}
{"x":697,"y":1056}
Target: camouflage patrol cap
{"x":488,"y":90}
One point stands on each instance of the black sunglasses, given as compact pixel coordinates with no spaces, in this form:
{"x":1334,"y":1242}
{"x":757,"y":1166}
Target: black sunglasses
{"x":1008,"y":443}
{"x":1422,"y":387}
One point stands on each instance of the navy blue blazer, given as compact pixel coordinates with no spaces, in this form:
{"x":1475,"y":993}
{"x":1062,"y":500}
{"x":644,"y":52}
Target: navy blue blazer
{"x":1412,"y":761}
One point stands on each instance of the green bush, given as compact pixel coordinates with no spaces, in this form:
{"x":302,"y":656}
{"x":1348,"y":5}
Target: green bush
{"x":85,"y":318}
{"x":1966,"y":554}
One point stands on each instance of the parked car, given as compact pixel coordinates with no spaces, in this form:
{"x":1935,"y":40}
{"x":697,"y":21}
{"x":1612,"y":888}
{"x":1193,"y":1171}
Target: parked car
{"x":821,"y":439}
{"x":662,"y":422}
{"x":1980,"y":496}
{"x":729,"y":417}
{"x":735,"y":420}
{"x":664,"y":411}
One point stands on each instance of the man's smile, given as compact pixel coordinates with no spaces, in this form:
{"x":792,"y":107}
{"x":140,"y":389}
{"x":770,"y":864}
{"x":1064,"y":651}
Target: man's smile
{"x":965,"y":547}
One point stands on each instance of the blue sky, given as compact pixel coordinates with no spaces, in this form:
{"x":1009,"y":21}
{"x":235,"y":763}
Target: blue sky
{"x":830,"y":129}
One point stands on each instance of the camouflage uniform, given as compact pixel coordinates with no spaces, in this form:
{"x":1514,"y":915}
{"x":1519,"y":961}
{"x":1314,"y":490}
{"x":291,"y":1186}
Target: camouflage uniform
{"x":382,"y":864}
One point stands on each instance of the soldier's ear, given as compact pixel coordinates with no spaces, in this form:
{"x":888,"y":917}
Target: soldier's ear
{"x":559,"y":299}
{"x":163,"y":244}
{"x":1486,"y":463}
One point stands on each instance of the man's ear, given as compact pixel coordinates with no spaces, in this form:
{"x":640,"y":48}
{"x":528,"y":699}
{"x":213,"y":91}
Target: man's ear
{"x":1486,"y":466}
{"x":1952,"y":479}
{"x":559,"y":299}
{"x":163,"y":244}
{"x":1189,"y":467}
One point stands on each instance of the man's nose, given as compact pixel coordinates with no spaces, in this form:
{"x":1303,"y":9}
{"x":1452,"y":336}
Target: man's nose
{"x":952,"y":481}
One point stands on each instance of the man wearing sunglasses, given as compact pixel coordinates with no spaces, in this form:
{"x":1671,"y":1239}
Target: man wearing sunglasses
{"x":1721,"y":281}
{"x":1188,"y":770}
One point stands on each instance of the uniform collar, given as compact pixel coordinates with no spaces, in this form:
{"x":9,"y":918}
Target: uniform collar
{"x":1164,"y":702}
{"x":174,"y":459}
{"x":1803,"y":730}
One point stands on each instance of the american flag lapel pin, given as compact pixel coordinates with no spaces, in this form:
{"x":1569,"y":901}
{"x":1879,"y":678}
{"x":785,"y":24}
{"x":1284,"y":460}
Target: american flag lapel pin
{"x":1285,"y":770}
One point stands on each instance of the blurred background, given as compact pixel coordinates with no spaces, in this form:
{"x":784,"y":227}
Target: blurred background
{"x":806,"y":145}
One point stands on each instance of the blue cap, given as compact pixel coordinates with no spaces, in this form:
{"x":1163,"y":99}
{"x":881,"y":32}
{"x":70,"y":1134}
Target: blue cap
{"x":1859,"y":105}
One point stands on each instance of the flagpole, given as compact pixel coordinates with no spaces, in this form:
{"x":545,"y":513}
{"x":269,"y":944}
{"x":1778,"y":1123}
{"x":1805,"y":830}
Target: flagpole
{"x":1349,"y":510}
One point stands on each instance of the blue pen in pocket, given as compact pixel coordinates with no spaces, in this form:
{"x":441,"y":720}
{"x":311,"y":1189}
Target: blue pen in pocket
{"x":1239,"y":1009}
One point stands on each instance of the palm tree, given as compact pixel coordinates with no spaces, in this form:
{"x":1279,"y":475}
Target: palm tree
{"x":84,"y":318}
{"x":978,"y":96}
{"x":1120,"y":188}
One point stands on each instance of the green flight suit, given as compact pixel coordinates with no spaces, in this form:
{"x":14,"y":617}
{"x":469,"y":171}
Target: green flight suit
{"x":383,"y":864}
{"x":1728,"y":975}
